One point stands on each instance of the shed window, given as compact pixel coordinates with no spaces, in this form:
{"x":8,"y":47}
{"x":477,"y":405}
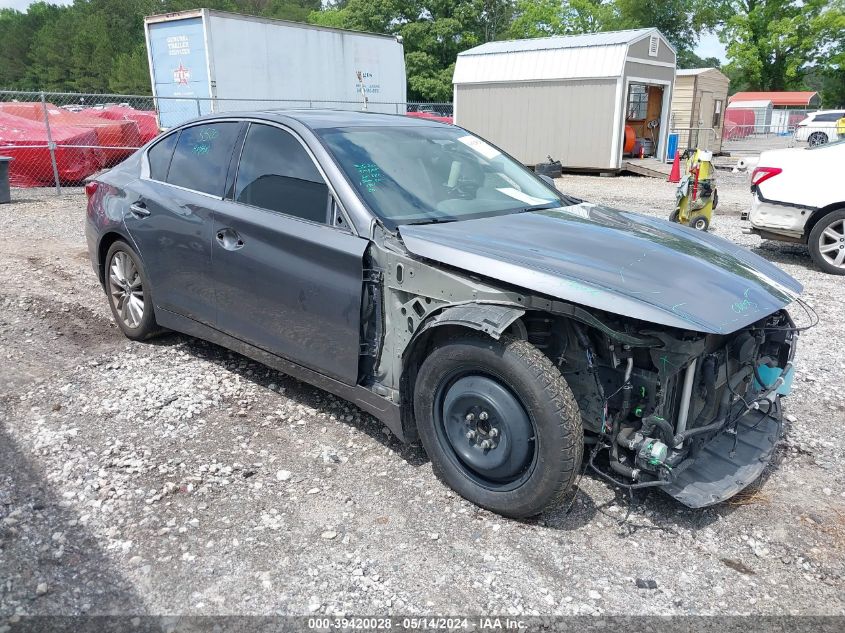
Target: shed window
{"x":653,"y":46}
{"x":717,"y":113}
{"x":637,"y":102}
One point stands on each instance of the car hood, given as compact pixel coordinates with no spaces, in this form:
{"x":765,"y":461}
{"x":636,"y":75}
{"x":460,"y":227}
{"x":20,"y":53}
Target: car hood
{"x":620,"y":262}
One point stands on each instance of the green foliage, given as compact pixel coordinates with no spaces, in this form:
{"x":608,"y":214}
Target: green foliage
{"x":774,"y":44}
{"x":98,"y":45}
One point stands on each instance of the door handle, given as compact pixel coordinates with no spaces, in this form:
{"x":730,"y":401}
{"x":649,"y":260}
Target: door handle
{"x":229,"y":239}
{"x":139,"y":210}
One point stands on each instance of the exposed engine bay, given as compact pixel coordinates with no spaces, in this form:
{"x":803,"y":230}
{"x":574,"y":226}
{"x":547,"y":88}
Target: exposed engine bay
{"x":669,"y":402}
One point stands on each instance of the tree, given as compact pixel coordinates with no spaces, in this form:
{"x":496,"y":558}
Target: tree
{"x":433,"y":33}
{"x":773,"y":44}
{"x":543,"y":18}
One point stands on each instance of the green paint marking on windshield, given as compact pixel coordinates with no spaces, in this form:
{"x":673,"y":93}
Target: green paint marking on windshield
{"x":370,"y":174}
{"x":577,"y":285}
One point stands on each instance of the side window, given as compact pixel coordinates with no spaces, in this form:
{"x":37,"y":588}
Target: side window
{"x":202,"y":157}
{"x":828,"y":117}
{"x":717,"y":113}
{"x":277,"y":174}
{"x":159,"y":156}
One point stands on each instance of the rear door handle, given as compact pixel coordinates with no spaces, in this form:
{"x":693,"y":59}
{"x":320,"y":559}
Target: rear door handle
{"x":139,"y":210}
{"x":229,"y":239}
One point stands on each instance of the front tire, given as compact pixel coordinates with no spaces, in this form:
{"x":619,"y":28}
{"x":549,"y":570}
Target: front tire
{"x":499,"y":423}
{"x":128,"y":291}
{"x":827,"y":243}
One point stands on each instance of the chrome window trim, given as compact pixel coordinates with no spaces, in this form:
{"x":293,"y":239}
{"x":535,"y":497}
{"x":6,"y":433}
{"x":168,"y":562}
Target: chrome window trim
{"x":349,"y":226}
{"x":145,"y":163}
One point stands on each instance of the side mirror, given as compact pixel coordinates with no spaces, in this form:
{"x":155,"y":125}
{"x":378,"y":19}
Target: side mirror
{"x":548,"y":180}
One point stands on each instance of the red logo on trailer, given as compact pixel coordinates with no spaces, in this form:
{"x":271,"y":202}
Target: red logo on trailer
{"x":182,"y":75}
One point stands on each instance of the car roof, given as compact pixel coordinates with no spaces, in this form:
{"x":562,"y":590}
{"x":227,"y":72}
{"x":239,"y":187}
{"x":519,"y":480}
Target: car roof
{"x":320,"y":118}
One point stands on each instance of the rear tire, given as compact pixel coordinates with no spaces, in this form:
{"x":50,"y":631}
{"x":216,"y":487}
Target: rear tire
{"x":128,"y":292}
{"x":827,"y":243}
{"x":519,"y":404}
{"x":817,"y":138}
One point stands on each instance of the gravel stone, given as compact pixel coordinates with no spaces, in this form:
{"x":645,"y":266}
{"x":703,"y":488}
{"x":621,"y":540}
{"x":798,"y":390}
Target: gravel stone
{"x":124,"y":486}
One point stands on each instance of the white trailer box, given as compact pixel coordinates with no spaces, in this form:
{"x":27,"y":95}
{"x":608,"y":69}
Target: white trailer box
{"x":213,"y":61}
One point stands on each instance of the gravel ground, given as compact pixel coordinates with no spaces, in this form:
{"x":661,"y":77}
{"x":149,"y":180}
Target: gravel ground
{"x":175,"y":477}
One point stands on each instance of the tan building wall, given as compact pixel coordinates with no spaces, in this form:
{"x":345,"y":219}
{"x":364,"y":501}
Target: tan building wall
{"x":694,"y":103}
{"x":571,"y":120}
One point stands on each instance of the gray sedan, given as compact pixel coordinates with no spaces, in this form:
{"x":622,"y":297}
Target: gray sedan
{"x":418,"y":271}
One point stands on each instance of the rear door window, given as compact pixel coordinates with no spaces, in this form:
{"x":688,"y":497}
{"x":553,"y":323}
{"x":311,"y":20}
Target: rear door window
{"x":828,"y":116}
{"x":277,"y":174}
{"x":159,"y":156}
{"x":202,"y":157}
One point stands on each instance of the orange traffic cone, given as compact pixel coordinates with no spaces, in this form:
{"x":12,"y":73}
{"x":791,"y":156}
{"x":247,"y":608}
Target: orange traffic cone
{"x":675,"y":174}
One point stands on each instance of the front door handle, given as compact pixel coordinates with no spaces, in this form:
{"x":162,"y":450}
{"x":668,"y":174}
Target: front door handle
{"x":139,"y":210}
{"x":229,"y":239}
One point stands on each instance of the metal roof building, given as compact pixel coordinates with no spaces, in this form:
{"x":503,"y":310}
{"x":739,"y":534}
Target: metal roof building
{"x":803,"y":99}
{"x":569,"y":96}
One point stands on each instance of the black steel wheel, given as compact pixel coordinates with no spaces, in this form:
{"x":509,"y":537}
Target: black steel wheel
{"x":499,"y":423}
{"x":487,"y":429}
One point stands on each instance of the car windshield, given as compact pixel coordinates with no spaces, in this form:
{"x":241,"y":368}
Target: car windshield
{"x":422,"y":174}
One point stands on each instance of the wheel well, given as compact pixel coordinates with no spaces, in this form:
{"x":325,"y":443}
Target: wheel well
{"x":105,"y":244}
{"x":818,"y":214}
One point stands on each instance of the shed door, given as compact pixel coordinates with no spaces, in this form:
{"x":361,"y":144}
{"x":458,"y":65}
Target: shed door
{"x":706,"y":108}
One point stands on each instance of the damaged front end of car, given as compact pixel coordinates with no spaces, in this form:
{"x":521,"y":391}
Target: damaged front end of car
{"x":678,"y":383}
{"x":697,"y":415}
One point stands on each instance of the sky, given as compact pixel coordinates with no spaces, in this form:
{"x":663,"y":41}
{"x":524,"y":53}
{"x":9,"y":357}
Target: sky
{"x":21,"y":5}
{"x":708,"y":46}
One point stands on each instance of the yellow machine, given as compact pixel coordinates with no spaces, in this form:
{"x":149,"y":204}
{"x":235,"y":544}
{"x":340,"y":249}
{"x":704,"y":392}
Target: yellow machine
{"x":696,"y":194}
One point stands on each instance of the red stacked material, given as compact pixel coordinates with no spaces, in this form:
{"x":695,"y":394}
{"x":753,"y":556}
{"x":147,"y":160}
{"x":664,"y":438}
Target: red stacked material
{"x":123,"y":136}
{"x":432,"y":116}
{"x":25,"y":141}
{"x":739,"y":123}
{"x":145,"y":119}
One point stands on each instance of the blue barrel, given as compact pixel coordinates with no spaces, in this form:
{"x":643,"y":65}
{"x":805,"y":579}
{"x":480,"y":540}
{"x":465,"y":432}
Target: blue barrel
{"x":672,"y":146}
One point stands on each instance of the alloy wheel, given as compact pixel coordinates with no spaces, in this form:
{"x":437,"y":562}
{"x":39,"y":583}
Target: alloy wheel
{"x":832,"y":243}
{"x":126,"y":289}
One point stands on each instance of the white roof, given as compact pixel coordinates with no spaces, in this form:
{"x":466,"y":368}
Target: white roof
{"x":692,"y":71}
{"x":750,"y":105}
{"x":559,"y":57}
{"x":607,"y":38}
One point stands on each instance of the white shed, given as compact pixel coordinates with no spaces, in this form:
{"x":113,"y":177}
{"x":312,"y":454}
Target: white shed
{"x":762,"y":109}
{"x":569,"y":97}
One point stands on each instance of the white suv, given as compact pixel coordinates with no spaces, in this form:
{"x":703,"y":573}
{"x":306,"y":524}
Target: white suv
{"x":819,"y":127}
{"x":799,"y":196}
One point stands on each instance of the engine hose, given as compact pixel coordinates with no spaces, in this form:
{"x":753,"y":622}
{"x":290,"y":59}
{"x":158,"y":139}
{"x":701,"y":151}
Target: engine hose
{"x":615,"y":482}
{"x":667,"y":433}
{"x":734,"y":381}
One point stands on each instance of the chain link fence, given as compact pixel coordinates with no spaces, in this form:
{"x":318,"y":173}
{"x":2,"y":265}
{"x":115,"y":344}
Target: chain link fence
{"x":59,"y":139}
